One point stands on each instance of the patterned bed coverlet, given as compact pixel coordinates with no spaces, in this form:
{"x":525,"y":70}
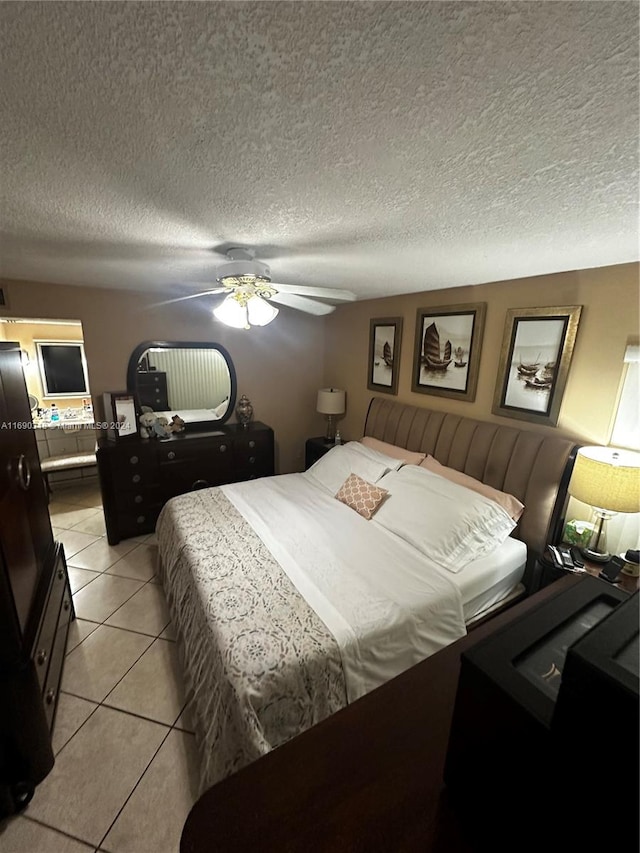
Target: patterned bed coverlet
{"x":260,"y":663}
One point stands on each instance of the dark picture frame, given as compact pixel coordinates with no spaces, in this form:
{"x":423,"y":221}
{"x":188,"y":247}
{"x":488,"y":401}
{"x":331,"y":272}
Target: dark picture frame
{"x":385,"y":342}
{"x":120,"y":415}
{"x":534,"y":362}
{"x":446,"y":357}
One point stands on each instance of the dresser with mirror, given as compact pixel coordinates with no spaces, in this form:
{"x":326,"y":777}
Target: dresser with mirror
{"x":197,"y":382}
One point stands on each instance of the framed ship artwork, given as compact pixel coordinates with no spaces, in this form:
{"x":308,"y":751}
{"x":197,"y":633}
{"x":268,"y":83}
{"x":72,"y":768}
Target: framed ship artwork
{"x":534,"y":362}
{"x":385,"y":339}
{"x":446,"y":357}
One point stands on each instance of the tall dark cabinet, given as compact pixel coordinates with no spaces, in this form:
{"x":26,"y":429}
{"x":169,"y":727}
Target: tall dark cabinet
{"x":35,"y":599}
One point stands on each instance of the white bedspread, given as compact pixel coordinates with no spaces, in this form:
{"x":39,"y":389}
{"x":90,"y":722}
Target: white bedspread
{"x":380,"y":598}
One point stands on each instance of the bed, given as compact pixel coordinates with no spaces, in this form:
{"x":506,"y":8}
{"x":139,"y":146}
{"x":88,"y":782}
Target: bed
{"x":288,"y":605}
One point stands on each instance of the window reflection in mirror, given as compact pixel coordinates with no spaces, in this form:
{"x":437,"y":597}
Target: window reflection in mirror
{"x":195,"y":382}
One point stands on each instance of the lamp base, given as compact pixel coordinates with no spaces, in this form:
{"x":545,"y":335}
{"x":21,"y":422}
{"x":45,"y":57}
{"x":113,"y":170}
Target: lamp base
{"x":331,"y":429}
{"x":595,"y":556}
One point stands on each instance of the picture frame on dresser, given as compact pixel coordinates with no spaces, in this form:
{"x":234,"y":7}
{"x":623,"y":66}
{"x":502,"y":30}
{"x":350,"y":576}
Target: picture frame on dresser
{"x":446,"y":357}
{"x":120,"y":421}
{"x":385,"y":341}
{"x":536,"y":353}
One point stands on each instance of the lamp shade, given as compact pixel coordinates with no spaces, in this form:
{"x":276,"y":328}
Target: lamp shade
{"x":330,"y":401}
{"x":608,"y":478}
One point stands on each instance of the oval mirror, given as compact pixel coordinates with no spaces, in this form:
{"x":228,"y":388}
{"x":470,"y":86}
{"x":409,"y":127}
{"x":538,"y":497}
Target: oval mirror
{"x":196,"y":381}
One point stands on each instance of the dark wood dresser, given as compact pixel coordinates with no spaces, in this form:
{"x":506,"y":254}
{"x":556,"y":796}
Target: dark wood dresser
{"x":138,"y":476}
{"x":35,"y":599}
{"x":152,"y":390}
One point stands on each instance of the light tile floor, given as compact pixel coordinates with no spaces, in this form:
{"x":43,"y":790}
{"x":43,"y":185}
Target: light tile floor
{"x":126,"y":770}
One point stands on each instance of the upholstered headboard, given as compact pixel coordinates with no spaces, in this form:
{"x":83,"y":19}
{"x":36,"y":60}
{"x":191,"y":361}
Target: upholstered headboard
{"x":533,"y":467}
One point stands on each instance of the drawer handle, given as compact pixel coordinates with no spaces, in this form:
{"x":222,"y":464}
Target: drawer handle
{"x":65,"y":604}
{"x":252,"y":459}
{"x":138,"y":499}
{"x":252,"y":444}
{"x":50,"y":696}
{"x":136,"y":478}
{"x":61,"y":574}
{"x":134,"y":460}
{"x":41,"y":657}
{"x":140,"y":519}
{"x":171,"y":455}
{"x":222,"y":448}
{"x":23,"y":472}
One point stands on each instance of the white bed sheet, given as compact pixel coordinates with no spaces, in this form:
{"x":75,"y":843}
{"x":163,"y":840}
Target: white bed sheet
{"x":488,"y":580}
{"x":383,"y":601}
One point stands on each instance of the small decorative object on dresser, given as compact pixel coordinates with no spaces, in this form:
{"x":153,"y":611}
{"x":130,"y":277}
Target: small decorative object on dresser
{"x":244,"y":410}
{"x":119,"y":414}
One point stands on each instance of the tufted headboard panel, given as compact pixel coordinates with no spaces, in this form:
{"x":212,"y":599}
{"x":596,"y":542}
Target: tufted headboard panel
{"x":533,"y":467}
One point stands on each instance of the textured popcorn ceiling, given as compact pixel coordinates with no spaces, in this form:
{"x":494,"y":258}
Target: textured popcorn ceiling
{"x":384,"y":147}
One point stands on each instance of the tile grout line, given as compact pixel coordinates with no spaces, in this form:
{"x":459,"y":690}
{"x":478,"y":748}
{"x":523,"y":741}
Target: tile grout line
{"x":55,"y":829}
{"x":114,"y":821}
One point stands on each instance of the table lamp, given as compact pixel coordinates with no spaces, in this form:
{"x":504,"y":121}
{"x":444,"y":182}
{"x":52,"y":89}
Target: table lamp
{"x":330,"y":403}
{"x":608,"y":479}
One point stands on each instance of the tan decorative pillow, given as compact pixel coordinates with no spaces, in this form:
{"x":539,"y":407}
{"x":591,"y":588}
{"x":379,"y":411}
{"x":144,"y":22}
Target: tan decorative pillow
{"x":364,"y":497}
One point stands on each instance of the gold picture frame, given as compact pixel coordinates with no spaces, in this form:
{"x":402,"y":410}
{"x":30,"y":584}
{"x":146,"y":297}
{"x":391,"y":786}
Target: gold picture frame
{"x":385,"y":340}
{"x":446,"y":356}
{"x":534,"y":362}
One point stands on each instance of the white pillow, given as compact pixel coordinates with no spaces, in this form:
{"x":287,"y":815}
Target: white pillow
{"x":332,"y":469}
{"x":392,"y":462}
{"x":445,"y":521}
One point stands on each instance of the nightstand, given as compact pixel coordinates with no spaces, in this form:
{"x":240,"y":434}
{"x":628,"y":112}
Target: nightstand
{"x":315,"y":448}
{"x":548,"y":573}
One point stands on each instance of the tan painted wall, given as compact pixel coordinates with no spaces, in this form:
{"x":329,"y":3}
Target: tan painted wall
{"x":279,"y":367}
{"x":610,"y":318}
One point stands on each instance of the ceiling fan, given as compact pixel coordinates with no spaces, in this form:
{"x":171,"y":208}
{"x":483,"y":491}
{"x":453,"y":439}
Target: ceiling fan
{"x":250,"y":293}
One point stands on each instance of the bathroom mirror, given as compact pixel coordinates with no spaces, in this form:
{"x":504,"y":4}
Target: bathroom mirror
{"x":196,"y":381}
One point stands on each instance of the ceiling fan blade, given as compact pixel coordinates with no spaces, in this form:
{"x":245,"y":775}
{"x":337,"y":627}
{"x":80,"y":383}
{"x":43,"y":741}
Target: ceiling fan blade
{"x":190,"y":296}
{"x":317,"y":292}
{"x":301,"y":303}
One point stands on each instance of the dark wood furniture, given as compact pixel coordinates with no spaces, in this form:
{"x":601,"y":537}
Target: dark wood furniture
{"x":138,"y":476}
{"x":548,"y":573}
{"x":35,"y":599}
{"x":152,"y":390}
{"x":368,"y":779}
{"x":315,"y":448}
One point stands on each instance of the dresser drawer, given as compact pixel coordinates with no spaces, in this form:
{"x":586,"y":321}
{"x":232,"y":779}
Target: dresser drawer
{"x":195,"y":474}
{"x":138,"y":523}
{"x":52,"y":685}
{"x":184,"y":451}
{"x":43,"y":646}
{"x":132,"y":479}
{"x":137,"y":500}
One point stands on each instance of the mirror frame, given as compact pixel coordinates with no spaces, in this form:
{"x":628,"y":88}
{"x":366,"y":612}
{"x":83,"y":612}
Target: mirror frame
{"x":136,"y":355}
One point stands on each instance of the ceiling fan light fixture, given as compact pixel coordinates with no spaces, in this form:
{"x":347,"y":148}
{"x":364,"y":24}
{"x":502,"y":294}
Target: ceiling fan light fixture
{"x":232,"y":313}
{"x":260,"y":311}
{"x":241,"y":312}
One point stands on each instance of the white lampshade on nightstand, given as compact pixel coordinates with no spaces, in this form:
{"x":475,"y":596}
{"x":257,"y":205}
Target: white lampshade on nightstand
{"x":608,"y":479}
{"x":331,"y":402}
